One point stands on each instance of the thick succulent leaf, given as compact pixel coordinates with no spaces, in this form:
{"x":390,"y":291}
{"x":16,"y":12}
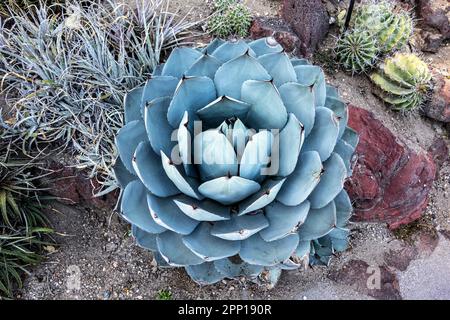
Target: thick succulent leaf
{"x":132,"y":104}
{"x":256,"y":156}
{"x":351,"y":137}
{"x":299,"y":100}
{"x":303,"y":180}
{"x":127,"y":140}
{"x":172,"y":249}
{"x":302,"y":251}
{"x":209,"y":247}
{"x":265,"y":46}
{"x":344,"y":209}
{"x":267,"y":110}
{"x":240,"y":227}
{"x":221,"y":109}
{"x":158,"y":70}
{"x":255,"y":250}
{"x":123,"y":176}
{"x":299,"y":62}
{"x":205,"y":210}
{"x":191,"y":94}
{"x":204,"y":273}
{"x":235,"y":270}
{"x":283,"y":220}
{"x":213,"y":45}
{"x":214,"y":155}
{"x":231,"y":50}
{"x":158,"y":87}
{"x":339,"y":238}
{"x":239,"y":135}
{"x":184,"y":146}
{"x":290,"y":143}
{"x":279,"y":67}
{"x":147,"y":166}
{"x":331,"y":183}
{"x":144,"y":239}
{"x":228,"y":190}
{"x":134,"y":208}
{"x":332,"y":92}
{"x":341,"y":111}
{"x":263,"y":197}
{"x":323,"y":136}
{"x":167,"y":214}
{"x":158,"y":129}
{"x":270,"y":276}
{"x":205,"y":66}
{"x":231,"y":75}
{"x":318,"y":222}
{"x":179,"y":61}
{"x":187,"y":185}
{"x":345,"y":151}
{"x":322,"y":254}
{"x":313,"y":76}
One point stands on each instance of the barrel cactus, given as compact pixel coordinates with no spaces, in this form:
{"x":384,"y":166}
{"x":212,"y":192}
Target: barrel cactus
{"x":232,"y":162}
{"x":404,"y":81}
{"x":390,"y":27}
{"x":356,"y":51}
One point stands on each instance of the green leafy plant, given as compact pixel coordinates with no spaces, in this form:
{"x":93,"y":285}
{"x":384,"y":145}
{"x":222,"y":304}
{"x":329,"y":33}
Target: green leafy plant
{"x":230,"y":17}
{"x":357,"y":51}
{"x":65,"y":72}
{"x":256,"y":186}
{"x":22,"y":221}
{"x":404,"y":81}
{"x":164,"y":295}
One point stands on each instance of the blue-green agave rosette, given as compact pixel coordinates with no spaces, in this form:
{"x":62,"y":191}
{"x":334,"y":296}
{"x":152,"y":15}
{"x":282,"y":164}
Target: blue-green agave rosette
{"x":259,"y":188}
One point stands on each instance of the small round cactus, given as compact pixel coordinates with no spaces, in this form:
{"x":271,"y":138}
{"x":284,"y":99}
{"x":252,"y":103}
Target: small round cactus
{"x":390,"y":27}
{"x":230,"y":17}
{"x":357,"y":51}
{"x":404,"y":81}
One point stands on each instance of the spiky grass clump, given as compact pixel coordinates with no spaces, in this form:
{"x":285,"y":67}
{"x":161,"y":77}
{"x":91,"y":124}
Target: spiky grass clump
{"x":230,"y":18}
{"x":65,"y":73}
{"x":390,"y":26}
{"x":22,"y":221}
{"x":356,"y":51}
{"x":404,"y":81}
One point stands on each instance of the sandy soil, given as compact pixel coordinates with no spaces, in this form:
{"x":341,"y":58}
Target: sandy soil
{"x":97,"y":247}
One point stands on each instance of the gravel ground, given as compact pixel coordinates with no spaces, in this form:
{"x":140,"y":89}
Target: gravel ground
{"x":97,"y":259}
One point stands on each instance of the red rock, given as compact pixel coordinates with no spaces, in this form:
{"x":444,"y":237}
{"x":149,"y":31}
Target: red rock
{"x":401,"y":258}
{"x":71,"y":186}
{"x":363,"y":278}
{"x":309,"y":20}
{"x":435,"y":14}
{"x":390,"y":182}
{"x":277,"y":28}
{"x":438,"y":107}
{"x":439,"y":152}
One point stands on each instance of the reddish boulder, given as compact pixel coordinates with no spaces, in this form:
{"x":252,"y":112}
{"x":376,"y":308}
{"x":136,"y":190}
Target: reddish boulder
{"x":309,"y":20}
{"x":390,"y":182}
{"x":438,"y":107}
{"x":435,"y":14}
{"x":71,"y":186}
{"x":439,"y":152}
{"x":277,"y":28}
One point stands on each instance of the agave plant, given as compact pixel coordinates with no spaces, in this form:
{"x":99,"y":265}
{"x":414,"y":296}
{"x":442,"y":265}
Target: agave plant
{"x":232,"y":162}
{"x":404,"y":81}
